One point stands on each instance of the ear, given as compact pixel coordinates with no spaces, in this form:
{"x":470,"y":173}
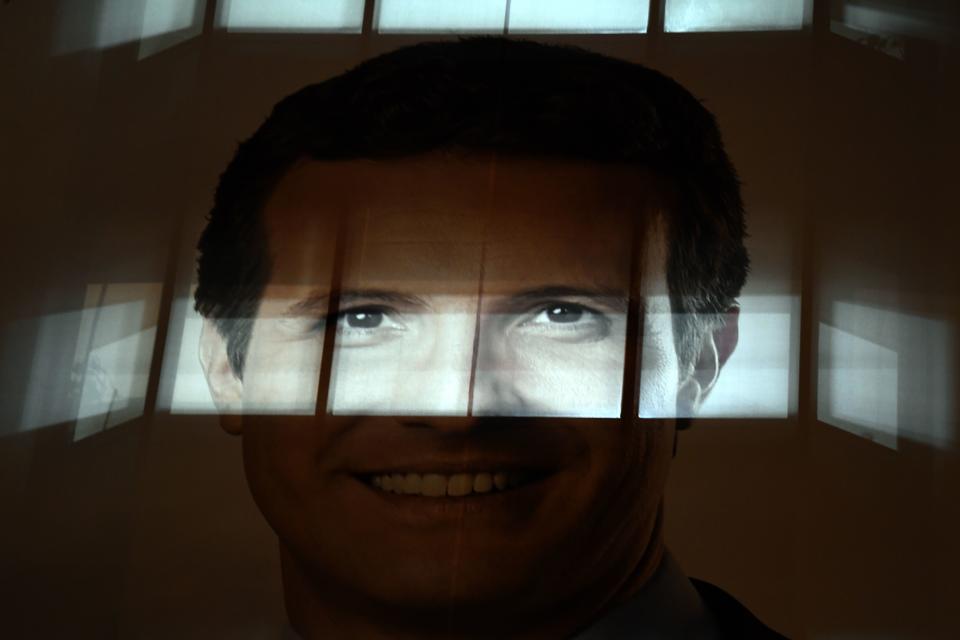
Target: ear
{"x":225,"y":387}
{"x":717,"y":348}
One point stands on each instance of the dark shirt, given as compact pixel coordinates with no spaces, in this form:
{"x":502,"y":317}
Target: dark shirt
{"x":730,"y":620}
{"x":733,"y":619}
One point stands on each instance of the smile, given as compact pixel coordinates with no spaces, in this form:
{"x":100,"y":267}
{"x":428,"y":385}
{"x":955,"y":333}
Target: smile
{"x":437,"y":485}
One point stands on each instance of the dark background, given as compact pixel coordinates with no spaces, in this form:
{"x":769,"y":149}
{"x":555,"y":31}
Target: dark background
{"x":849,"y":159}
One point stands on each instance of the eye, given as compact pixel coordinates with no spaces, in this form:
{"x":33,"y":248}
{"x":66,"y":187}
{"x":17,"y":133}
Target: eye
{"x":566,"y":322}
{"x":564,"y":313}
{"x":364,"y":319}
{"x":368,"y":326}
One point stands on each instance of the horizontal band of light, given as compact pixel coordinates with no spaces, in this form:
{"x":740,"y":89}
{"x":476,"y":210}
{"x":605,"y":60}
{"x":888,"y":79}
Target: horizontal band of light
{"x":754,"y":383}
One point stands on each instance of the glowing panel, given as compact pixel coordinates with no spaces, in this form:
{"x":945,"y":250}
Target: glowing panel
{"x":92,"y":366}
{"x":572,"y":16}
{"x":292,"y":15}
{"x":156,"y":24}
{"x":124,"y":21}
{"x":733,"y":15}
{"x":857,"y":385}
{"x":889,"y":19}
{"x":164,"y":16}
{"x":426,"y":16}
{"x":117,"y":332}
{"x":885,"y":375}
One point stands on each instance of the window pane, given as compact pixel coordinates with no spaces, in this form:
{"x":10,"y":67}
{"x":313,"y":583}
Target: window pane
{"x":292,"y":15}
{"x":398,"y":16}
{"x":733,"y":15}
{"x":599,"y":16}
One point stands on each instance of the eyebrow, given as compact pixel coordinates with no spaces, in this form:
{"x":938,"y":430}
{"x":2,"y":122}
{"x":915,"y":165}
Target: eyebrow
{"x":319,"y":302}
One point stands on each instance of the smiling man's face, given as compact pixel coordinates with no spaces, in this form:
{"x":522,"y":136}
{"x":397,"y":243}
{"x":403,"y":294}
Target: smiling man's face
{"x":470,"y":453}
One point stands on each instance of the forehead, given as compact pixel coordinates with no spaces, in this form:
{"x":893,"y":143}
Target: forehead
{"x":417,"y":219}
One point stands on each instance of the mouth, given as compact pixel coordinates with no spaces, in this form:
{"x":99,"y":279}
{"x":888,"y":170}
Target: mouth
{"x":456,"y":485}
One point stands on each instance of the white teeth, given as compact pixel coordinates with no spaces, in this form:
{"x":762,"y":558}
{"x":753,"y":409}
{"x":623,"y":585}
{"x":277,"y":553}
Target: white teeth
{"x":434,"y":485}
{"x":460,"y":484}
{"x":482,"y":482}
{"x":437,"y":485}
{"x":411,"y":483}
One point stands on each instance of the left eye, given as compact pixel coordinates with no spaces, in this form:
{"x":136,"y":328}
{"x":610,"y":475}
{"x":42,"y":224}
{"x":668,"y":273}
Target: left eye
{"x":367,"y":319}
{"x":368,"y":326}
{"x":566,"y":321}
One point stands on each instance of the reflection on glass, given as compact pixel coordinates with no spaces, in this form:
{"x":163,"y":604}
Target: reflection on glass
{"x":425,"y":16}
{"x":926,"y":20}
{"x":886,"y":375}
{"x":571,"y":16}
{"x":291,"y":15}
{"x":104,"y":383}
{"x":114,"y":349}
{"x":157,"y":24}
{"x":858,"y":385}
{"x":733,"y":15}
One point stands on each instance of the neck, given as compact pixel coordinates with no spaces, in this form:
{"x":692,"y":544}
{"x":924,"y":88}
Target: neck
{"x":654,"y":595}
{"x":666,"y":606}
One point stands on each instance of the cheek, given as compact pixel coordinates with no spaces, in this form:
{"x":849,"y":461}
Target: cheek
{"x":659,"y":369}
{"x":544,"y":377}
{"x":280,"y":456}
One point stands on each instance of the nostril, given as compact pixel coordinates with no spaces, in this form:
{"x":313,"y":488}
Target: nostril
{"x":415,"y":424}
{"x":449,"y":423}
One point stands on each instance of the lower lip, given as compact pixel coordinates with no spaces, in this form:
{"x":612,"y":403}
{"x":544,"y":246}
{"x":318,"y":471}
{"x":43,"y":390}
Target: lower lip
{"x":515,"y":504}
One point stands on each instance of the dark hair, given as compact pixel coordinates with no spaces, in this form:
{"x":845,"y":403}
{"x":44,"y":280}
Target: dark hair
{"x":482,"y":94}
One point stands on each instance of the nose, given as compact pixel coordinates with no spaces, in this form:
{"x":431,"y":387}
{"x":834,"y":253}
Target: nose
{"x":495,"y":392}
{"x":440,"y":375}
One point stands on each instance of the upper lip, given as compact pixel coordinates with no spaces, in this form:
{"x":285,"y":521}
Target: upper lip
{"x":381,"y":446}
{"x":426,"y":465}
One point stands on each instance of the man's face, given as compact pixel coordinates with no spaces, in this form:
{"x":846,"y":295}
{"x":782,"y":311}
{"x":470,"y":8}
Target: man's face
{"x":470,"y":451}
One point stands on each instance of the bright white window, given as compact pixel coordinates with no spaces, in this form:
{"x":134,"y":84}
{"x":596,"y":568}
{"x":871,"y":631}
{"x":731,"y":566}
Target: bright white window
{"x":516,"y":16}
{"x":292,"y":15}
{"x":571,"y":16}
{"x":424,"y":16}
{"x":733,"y":15}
